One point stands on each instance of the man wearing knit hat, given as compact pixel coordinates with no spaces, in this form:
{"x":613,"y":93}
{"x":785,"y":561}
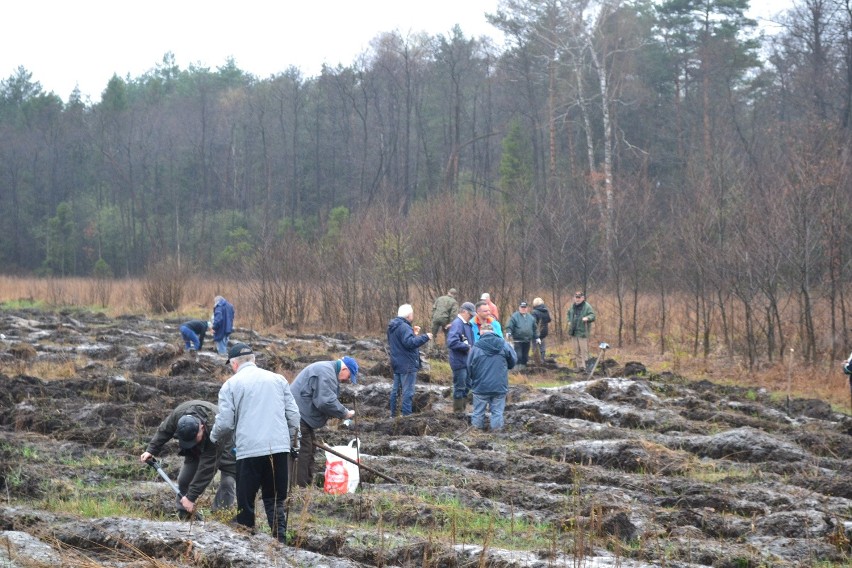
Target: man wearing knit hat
{"x":317,"y":392}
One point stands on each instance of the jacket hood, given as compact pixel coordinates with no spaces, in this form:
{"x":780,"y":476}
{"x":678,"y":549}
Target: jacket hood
{"x":396,"y":322}
{"x":490,"y":343}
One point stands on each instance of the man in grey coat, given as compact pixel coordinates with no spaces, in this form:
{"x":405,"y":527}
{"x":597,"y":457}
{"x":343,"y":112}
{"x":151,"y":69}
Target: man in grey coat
{"x":317,"y":392}
{"x":258,"y":407}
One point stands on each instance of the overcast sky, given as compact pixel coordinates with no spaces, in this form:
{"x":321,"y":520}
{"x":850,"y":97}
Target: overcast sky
{"x":83,"y":43}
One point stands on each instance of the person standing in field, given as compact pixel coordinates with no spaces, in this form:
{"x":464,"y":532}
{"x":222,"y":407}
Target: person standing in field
{"x":459,"y":342}
{"x":492,"y":307}
{"x":444,"y":309}
{"x":257,"y":406}
{"x":522,"y":330}
{"x":542,"y":318}
{"x":580,"y":318}
{"x":483,"y":316}
{"x":490,"y":361}
{"x":223,"y":323}
{"x":404,"y":341}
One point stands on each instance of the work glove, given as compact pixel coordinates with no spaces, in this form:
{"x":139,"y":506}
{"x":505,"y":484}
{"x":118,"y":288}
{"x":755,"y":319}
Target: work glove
{"x":295,"y":442}
{"x":538,"y":341}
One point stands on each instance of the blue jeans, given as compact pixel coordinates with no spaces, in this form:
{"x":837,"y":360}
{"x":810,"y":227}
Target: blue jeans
{"x":402,"y":382}
{"x":222,"y":346}
{"x":190,"y":338}
{"x":496,"y":402}
{"x":461,"y":383}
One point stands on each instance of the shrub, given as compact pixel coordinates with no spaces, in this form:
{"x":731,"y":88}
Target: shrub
{"x":165,"y":283}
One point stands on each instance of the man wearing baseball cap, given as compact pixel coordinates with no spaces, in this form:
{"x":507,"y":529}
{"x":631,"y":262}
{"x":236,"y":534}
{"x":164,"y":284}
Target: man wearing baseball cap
{"x":317,"y":392}
{"x":191,"y":423}
{"x":522,"y":329}
{"x":459,"y":342}
{"x":258,"y":407}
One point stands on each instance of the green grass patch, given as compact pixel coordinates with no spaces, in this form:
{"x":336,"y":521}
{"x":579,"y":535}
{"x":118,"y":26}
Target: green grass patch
{"x":23,"y":304}
{"x":95,"y":506}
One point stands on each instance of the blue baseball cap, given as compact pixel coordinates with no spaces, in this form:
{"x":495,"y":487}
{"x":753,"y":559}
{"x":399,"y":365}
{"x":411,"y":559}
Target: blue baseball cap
{"x":352,"y":365}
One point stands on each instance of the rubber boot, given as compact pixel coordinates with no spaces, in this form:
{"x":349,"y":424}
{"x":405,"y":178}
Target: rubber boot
{"x":458,"y":405}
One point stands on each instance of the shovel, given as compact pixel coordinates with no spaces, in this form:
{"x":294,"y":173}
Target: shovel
{"x":156,"y":465}
{"x":603,"y":347}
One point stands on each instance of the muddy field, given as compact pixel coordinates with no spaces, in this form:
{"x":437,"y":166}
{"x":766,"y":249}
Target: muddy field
{"x":627,"y":469}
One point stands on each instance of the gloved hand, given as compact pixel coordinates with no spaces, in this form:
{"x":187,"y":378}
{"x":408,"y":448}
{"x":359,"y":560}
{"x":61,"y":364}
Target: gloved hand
{"x":295,"y":442}
{"x":538,"y":341}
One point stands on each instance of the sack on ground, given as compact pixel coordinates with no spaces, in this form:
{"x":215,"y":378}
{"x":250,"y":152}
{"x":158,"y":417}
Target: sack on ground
{"x":342,"y":476}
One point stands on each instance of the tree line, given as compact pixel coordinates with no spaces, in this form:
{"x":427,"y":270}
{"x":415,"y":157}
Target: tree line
{"x":651,"y":149}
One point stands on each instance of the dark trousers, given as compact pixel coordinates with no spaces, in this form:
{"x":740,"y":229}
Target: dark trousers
{"x":305,"y":463}
{"x":269,"y":474}
{"x":225,"y":495}
{"x":522,"y":348}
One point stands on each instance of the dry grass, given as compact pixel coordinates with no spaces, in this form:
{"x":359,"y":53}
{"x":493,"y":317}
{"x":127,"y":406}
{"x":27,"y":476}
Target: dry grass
{"x":824,"y":380}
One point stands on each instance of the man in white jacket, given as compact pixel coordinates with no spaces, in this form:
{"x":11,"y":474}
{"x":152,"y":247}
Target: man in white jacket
{"x":258,"y":407}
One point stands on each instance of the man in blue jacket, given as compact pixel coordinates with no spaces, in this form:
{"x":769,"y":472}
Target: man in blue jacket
{"x":488,"y":365}
{"x":404,"y":341}
{"x":317,"y":391}
{"x":223,"y":323}
{"x":459,"y":342}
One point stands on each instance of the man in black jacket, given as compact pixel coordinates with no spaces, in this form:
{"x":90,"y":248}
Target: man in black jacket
{"x":191,"y":423}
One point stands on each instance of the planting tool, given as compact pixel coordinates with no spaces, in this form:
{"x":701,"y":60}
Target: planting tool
{"x":789,"y":379}
{"x":323,"y":446}
{"x":156,"y":465}
{"x":603,"y":347}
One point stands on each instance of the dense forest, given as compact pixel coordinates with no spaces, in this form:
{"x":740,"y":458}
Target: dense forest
{"x":651,"y":149}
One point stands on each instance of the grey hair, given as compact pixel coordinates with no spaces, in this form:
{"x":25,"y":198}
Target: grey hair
{"x":405,"y":311}
{"x":243,"y":359}
{"x":217,"y":299}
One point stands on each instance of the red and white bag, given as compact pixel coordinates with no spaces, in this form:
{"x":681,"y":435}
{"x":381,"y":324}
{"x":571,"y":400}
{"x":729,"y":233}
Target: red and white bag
{"x":342,"y":476}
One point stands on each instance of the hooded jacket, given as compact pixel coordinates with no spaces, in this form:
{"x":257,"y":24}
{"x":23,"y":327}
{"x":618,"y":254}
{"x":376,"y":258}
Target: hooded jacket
{"x":404,"y":346}
{"x":210,"y":454}
{"x":316,"y":390}
{"x":542,"y":316}
{"x":489,"y":364}
{"x":257,"y":406}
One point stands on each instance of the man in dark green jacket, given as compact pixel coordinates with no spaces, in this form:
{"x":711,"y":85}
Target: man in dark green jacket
{"x":580,"y":318}
{"x":444,"y":310}
{"x":522,"y":329}
{"x":191,"y":423}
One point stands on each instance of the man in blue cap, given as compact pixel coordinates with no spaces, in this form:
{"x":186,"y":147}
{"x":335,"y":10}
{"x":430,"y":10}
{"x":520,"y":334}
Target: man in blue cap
{"x":316,"y":390}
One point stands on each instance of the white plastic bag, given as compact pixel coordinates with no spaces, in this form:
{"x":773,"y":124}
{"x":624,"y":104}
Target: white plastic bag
{"x":342,"y":476}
